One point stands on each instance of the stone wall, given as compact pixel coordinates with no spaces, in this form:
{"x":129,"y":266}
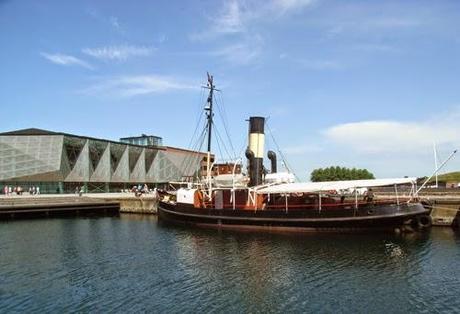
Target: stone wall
{"x":139,"y":205}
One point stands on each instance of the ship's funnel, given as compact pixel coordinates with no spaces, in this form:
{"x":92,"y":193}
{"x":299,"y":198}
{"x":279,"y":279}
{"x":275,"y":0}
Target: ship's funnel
{"x":272,"y":156}
{"x":255,"y":151}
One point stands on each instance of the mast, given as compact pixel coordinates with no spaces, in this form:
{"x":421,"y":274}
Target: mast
{"x":209,"y":116}
{"x":208,"y":108}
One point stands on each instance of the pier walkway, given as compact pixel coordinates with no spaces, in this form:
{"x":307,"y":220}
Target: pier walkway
{"x":50,"y":205}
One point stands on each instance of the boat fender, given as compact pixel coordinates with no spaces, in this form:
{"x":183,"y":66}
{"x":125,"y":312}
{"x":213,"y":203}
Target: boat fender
{"x":421,"y":222}
{"x":424,"y":221}
{"x":456,"y":223}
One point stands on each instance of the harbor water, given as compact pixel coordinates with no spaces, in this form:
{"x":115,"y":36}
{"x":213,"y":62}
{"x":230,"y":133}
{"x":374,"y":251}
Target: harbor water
{"x":132,"y":263}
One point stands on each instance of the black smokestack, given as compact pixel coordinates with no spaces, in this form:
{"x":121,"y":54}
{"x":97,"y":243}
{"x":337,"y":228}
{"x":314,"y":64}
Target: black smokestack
{"x":255,"y":151}
{"x":272,"y":156}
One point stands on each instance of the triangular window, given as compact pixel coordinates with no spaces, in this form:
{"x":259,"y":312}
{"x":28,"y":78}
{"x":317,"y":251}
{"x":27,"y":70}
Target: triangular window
{"x":149,"y":157}
{"x":116,"y":152}
{"x":73,"y":148}
{"x":134,"y":154}
{"x":96,"y":149}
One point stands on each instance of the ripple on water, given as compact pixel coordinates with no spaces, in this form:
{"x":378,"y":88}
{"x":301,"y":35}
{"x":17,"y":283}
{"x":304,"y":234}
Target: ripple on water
{"x":131,"y":264}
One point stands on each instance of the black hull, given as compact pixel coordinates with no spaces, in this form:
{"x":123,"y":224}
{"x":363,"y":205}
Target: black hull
{"x":371,"y":218}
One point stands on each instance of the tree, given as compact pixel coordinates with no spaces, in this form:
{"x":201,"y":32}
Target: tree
{"x":339,"y":173}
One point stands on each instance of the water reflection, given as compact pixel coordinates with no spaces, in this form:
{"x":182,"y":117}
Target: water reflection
{"x":132,"y":263}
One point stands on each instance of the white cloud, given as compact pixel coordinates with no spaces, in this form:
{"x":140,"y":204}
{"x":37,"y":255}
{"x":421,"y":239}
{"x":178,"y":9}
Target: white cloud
{"x":66,"y":60}
{"x":394,"y":136}
{"x":239,"y":22}
{"x":337,"y":26}
{"x":354,"y":20}
{"x":240,"y":53}
{"x":118,"y":53}
{"x":374,"y":20}
{"x":113,"y":20}
{"x":161,"y":38}
{"x":388,"y":148}
{"x":239,"y":16}
{"x":128,"y":86}
{"x":231,"y":18}
{"x":291,"y":5}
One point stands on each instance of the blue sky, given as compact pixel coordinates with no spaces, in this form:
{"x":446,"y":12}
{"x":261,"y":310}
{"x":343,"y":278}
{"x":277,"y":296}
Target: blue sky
{"x":352,"y":83}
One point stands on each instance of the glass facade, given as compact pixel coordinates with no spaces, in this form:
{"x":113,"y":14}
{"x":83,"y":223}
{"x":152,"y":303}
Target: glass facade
{"x":143,"y":140}
{"x":60,"y":162}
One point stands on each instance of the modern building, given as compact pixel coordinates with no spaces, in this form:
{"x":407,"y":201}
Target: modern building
{"x":60,"y":162}
{"x":143,"y":140}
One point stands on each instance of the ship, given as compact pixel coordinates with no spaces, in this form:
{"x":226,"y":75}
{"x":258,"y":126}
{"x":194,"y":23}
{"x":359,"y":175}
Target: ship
{"x":227,"y":198}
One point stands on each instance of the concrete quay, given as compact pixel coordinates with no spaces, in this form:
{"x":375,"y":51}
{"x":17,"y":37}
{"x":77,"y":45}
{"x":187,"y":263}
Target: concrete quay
{"x":445,"y":205}
{"x":446,"y":211}
{"x":33,"y":206}
{"x":46,"y":205}
{"x":129,"y":203}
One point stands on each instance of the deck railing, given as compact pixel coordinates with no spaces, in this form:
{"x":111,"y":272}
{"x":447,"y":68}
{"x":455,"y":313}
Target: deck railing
{"x":324,"y":206}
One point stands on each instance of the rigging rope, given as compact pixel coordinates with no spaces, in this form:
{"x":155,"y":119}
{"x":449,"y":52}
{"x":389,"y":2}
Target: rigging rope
{"x":196,"y":146}
{"x":223,"y":143}
{"x":187,"y":162}
{"x":283,"y":158}
{"x":218,"y":145}
{"x":198,"y":118}
{"x":223,"y":116}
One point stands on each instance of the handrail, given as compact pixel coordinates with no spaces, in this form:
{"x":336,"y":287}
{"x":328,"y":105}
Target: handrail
{"x":323,"y":205}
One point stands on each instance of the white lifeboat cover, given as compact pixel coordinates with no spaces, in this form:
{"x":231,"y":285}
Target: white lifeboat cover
{"x":228,"y":180}
{"x":279,"y":177}
{"x":185,"y":196}
{"x":313,"y":187}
